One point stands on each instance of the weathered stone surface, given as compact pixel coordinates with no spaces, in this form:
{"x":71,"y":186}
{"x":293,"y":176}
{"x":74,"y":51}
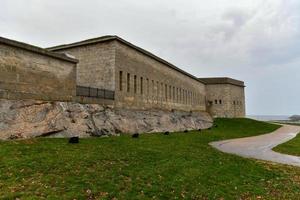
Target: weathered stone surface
{"x":27,"y":74}
{"x":138,"y":80}
{"x":29,"y":118}
{"x":226,"y":100}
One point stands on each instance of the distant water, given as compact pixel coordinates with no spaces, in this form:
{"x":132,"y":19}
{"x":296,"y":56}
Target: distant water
{"x":269,"y":117}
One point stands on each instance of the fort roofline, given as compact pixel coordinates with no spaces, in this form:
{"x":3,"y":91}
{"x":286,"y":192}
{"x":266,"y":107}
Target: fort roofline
{"x":222,"y":80}
{"x":36,"y":49}
{"x":117,"y":38}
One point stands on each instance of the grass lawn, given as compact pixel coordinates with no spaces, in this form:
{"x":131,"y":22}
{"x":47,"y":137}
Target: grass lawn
{"x":291,"y":147}
{"x":155,"y":166}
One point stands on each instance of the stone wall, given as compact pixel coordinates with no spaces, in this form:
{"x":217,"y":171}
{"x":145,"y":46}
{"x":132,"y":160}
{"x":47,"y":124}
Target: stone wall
{"x":96,"y":67}
{"x":237,"y":101}
{"x":145,"y":83}
{"x":225,"y":100}
{"x":28,"y":72}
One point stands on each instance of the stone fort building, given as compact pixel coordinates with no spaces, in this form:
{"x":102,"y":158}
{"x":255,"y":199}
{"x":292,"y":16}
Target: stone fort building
{"x":111,"y":71}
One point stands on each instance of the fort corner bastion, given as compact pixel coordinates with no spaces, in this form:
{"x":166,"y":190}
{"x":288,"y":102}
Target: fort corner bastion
{"x":105,"y":86}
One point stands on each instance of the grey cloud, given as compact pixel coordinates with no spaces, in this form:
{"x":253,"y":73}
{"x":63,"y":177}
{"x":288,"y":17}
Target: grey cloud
{"x":253,"y":40}
{"x":234,"y":21}
{"x":237,"y":17}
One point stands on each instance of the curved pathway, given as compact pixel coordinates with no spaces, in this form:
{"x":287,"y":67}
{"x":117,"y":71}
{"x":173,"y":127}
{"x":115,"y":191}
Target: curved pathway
{"x":260,"y":147}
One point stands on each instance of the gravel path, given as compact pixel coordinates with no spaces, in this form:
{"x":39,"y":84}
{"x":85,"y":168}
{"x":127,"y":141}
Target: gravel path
{"x":260,"y":147}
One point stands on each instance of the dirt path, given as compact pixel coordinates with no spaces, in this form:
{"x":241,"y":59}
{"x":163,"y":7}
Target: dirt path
{"x":260,"y":147}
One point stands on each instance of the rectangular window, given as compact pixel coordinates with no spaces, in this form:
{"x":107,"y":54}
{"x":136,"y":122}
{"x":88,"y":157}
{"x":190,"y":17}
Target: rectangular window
{"x":170,"y":92}
{"x":161,"y":91}
{"x":128,"y":82}
{"x":147,"y":87}
{"x":153,"y":93}
{"x":121,"y":80}
{"x":180,"y":95}
{"x":142,"y":91}
{"x":134,"y":84}
{"x":187,"y":97}
{"x":157,"y":90}
{"x":216,"y":101}
{"x":173,"y":93}
{"x":166,"y":92}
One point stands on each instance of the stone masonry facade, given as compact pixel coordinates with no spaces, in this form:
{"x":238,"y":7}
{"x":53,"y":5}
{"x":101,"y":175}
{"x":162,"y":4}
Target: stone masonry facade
{"x":143,"y":82}
{"x":138,"y":79}
{"x":97,"y":64}
{"x":225,"y":97}
{"x":28,"y":72}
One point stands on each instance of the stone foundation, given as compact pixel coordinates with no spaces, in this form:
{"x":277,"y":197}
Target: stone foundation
{"x":20,"y":119}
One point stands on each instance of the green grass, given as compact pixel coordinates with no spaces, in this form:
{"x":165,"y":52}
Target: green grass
{"x":178,"y":166}
{"x":291,"y":147}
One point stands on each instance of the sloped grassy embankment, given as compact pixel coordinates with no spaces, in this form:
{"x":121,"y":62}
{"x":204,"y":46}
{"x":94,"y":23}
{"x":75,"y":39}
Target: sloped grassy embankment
{"x":154,"y":166}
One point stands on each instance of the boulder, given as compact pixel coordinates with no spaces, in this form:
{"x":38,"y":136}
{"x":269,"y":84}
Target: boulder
{"x":30,"y":118}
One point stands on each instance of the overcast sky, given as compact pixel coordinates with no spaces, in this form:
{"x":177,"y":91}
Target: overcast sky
{"x":257,"y":41}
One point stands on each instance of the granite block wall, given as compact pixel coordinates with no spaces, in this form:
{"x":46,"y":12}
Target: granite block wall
{"x":145,"y":83}
{"x":96,"y":67}
{"x":25,"y":74}
{"x":225,"y":100}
